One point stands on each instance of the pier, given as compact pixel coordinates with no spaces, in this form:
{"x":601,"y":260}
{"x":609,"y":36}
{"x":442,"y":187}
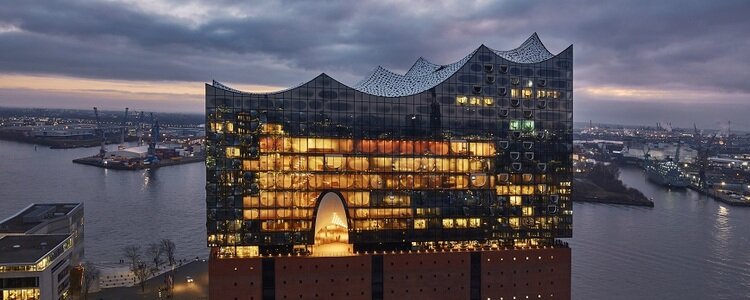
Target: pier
{"x":120,"y":165}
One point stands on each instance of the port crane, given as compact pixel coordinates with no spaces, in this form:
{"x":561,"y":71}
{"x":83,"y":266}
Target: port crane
{"x":139,"y":128}
{"x":702,"y":160}
{"x":102,"y":149}
{"x":124,"y":129}
{"x":151,"y":158}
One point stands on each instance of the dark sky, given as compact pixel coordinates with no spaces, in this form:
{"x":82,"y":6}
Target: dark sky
{"x":636,"y":62}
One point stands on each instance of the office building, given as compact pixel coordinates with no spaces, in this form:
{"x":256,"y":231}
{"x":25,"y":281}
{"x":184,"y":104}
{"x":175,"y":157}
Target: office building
{"x":39,"y":249}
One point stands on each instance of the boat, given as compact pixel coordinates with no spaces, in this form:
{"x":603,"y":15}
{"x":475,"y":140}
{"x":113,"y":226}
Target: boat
{"x":666,"y":173}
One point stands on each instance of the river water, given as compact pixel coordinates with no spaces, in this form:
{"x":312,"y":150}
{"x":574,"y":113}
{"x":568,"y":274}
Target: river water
{"x":686,"y":247}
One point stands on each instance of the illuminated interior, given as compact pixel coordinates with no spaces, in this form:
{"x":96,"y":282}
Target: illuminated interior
{"x":331,"y":228}
{"x":21,"y":294}
{"x":460,"y":163}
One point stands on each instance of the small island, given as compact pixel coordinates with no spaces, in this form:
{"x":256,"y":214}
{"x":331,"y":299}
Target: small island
{"x":601,"y":184}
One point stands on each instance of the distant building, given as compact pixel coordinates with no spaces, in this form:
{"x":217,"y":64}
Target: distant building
{"x":398,"y":185}
{"x":39,"y":248}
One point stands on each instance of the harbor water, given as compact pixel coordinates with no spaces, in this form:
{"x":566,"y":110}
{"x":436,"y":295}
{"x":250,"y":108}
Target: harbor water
{"x":686,"y":247}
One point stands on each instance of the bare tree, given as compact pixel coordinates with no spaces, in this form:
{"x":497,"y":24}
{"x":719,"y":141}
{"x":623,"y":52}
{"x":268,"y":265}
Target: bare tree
{"x":132,"y":255}
{"x":90,"y":275}
{"x":141,"y":271}
{"x":169,"y":248}
{"x":154,"y":252}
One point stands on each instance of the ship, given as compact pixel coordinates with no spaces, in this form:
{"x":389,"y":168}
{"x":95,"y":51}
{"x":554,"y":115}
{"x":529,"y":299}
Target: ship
{"x":666,"y":173}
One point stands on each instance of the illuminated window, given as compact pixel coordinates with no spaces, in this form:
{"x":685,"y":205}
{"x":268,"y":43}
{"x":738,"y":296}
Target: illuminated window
{"x":272,"y":128}
{"x":515,"y":93}
{"x":247,"y":251}
{"x":233,"y":152}
{"x":515,"y":124}
{"x":474,"y":100}
{"x":528,"y":126}
{"x":21,"y":294}
{"x":462,"y":100}
{"x":515,"y":200}
{"x":489,"y":101}
{"x":527,"y":93}
{"x":514,"y":222}
{"x":527,"y":211}
{"x":216,"y":126}
{"x":447,"y":223}
{"x":420,"y":224}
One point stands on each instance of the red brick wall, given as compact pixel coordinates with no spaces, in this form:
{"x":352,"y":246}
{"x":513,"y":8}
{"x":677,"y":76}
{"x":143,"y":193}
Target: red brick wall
{"x":324,"y":277}
{"x":230,"y":279}
{"x":536,"y":273}
{"x":426,"y":276}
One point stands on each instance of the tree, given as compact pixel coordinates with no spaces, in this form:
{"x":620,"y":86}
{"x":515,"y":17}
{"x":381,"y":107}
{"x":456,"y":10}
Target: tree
{"x":168,"y":247}
{"x":154,"y":252}
{"x":132,"y":255}
{"x":141,"y":271}
{"x":90,"y":275}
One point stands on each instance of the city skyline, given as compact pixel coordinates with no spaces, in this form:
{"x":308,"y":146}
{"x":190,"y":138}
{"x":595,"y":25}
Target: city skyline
{"x":638,"y":62}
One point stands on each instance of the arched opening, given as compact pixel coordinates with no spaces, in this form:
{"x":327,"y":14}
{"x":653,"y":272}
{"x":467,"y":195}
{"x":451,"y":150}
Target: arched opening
{"x":331,"y":227}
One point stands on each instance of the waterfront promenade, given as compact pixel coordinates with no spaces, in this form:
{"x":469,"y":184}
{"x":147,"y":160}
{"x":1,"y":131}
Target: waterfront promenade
{"x":183,"y":290}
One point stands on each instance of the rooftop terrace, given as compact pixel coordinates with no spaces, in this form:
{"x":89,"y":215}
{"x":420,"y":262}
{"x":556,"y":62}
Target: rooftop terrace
{"x":28,"y":249}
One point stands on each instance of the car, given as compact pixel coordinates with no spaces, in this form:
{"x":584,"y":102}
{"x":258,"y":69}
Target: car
{"x":189,"y":279}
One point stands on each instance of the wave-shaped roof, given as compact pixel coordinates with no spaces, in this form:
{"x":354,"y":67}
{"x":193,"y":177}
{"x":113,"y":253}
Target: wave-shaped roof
{"x":383,"y":82}
{"x":531,"y":51}
{"x":424,"y":75}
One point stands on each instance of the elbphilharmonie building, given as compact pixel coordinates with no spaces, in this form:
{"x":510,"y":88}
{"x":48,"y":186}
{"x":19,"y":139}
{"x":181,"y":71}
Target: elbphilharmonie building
{"x":467,"y":161}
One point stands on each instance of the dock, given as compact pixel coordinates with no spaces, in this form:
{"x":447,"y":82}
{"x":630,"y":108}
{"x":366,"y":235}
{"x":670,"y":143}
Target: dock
{"x":721,"y":197}
{"x":97,"y":161}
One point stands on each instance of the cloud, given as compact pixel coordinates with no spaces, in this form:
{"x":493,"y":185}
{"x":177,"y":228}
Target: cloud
{"x":664,"y":47}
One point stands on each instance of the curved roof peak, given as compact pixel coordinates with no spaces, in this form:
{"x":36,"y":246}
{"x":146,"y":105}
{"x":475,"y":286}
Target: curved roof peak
{"x":422,"y":67}
{"x":531,"y":51}
{"x":422,"y":76}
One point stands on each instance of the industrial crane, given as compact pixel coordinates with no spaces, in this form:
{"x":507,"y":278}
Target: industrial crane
{"x":704,"y":151}
{"x":103,"y":149}
{"x":151,"y":158}
{"x":139,"y":128}
{"x":124,"y":127}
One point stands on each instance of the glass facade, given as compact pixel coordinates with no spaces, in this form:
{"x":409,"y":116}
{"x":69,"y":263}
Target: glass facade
{"x":480,"y":159}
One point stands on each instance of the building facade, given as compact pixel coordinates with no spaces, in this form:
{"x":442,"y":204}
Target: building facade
{"x":473,"y":156}
{"x":40,"y":249}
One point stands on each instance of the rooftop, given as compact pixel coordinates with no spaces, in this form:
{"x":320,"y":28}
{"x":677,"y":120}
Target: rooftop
{"x":34,"y":215}
{"x":28,"y":249}
{"x":424,"y":75}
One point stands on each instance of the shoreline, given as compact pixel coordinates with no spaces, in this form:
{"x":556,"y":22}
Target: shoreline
{"x":585,"y":190}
